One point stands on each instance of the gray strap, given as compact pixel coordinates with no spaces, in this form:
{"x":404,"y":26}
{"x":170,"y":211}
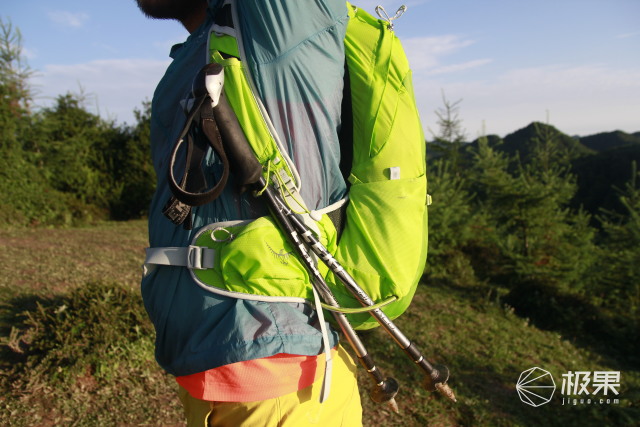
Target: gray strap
{"x":328,"y":364}
{"x":193,"y":257}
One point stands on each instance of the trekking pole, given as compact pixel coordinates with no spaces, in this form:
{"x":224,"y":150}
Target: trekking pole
{"x":436,"y":375}
{"x":248,"y":172}
{"x":385,"y":388}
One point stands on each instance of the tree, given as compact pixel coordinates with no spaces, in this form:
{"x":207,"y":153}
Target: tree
{"x":451,"y":135}
{"x":64,"y":164}
{"x":15,"y":93}
{"x":540,"y":238}
{"x":102,"y":165}
{"x":132,"y":169}
{"x":26,"y":196}
{"x":453,"y":223}
{"x":69,"y":150}
{"x":620,"y":282}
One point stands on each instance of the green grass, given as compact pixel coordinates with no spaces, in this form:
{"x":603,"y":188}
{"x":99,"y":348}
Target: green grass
{"x":486,"y":347}
{"x":51,"y":260}
{"x":90,"y":353}
{"x":76,"y":347}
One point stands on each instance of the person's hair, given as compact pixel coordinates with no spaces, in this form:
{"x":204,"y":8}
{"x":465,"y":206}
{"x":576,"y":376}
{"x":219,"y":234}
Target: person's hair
{"x":170,"y":9}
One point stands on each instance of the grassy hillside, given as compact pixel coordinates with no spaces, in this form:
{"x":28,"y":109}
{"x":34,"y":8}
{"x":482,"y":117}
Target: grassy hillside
{"x":77,"y":348}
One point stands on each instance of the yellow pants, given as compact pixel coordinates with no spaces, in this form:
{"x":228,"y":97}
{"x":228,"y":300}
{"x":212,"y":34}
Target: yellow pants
{"x":301,"y":408}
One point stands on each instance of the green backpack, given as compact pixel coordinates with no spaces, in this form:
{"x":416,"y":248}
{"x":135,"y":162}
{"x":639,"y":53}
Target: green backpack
{"x":383,"y":240}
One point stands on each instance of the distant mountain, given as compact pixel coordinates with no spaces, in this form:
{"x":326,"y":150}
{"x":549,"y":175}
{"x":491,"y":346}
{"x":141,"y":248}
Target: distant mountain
{"x":522,"y":141}
{"x":600,"y":162}
{"x":610,"y":140}
{"x":493,"y":140}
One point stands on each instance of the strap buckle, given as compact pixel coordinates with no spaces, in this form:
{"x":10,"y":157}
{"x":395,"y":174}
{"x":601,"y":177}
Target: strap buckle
{"x":197,"y":258}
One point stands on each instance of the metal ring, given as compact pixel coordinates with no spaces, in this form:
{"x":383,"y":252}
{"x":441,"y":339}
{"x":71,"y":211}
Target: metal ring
{"x":229,"y":238}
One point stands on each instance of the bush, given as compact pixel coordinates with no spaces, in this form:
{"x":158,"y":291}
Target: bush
{"x":27,"y":197}
{"x":91,"y":352}
{"x":59,"y":333}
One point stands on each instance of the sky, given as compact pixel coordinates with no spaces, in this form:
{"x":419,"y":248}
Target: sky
{"x":572,"y":63}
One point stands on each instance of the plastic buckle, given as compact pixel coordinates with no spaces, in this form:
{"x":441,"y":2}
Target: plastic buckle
{"x":194,"y":258}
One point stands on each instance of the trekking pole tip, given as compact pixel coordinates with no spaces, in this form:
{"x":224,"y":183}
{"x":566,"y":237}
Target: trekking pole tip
{"x":385,"y":392}
{"x":393,"y":405}
{"x":437,"y":380}
{"x":446,"y":390}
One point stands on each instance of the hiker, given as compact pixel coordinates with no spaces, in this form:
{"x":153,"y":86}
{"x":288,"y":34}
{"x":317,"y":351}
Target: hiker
{"x":239,"y":361}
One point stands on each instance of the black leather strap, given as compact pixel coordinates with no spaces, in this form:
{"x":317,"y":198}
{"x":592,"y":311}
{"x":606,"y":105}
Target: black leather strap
{"x":193,"y":182}
{"x":199,"y":133}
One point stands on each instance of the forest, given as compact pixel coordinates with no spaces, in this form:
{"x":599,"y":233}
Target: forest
{"x":63,"y":165}
{"x":547,"y":223}
{"x":542,"y":222}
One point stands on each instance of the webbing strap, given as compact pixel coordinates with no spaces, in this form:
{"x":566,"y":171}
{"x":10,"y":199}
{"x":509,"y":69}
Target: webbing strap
{"x":193,"y":257}
{"x":328,"y":365}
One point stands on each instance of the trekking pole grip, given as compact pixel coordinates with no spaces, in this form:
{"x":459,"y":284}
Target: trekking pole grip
{"x":244,"y":164}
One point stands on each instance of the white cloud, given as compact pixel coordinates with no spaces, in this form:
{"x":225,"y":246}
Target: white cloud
{"x":446,"y":69}
{"x":69,"y":19}
{"x":115,"y":86}
{"x":107,"y":48}
{"x":426,"y":54}
{"x":628,"y":35}
{"x":166,"y":44}
{"x":579,"y":99}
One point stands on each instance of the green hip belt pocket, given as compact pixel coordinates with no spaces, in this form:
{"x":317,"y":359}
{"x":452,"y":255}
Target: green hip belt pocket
{"x":247,"y":260}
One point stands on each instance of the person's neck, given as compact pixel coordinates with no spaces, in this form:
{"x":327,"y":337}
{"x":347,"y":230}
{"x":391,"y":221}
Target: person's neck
{"x":194,"y":20}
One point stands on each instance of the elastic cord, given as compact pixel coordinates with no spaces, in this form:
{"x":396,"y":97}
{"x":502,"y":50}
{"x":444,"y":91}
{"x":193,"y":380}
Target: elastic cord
{"x":283,"y":189}
{"x":263,"y":189}
{"x":366,"y":309}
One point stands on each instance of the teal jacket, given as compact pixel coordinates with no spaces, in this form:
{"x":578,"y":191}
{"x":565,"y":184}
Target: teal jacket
{"x":296,"y":57}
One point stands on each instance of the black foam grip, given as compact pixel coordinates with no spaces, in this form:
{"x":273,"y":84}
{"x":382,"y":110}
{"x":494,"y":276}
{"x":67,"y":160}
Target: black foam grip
{"x":243,"y":161}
